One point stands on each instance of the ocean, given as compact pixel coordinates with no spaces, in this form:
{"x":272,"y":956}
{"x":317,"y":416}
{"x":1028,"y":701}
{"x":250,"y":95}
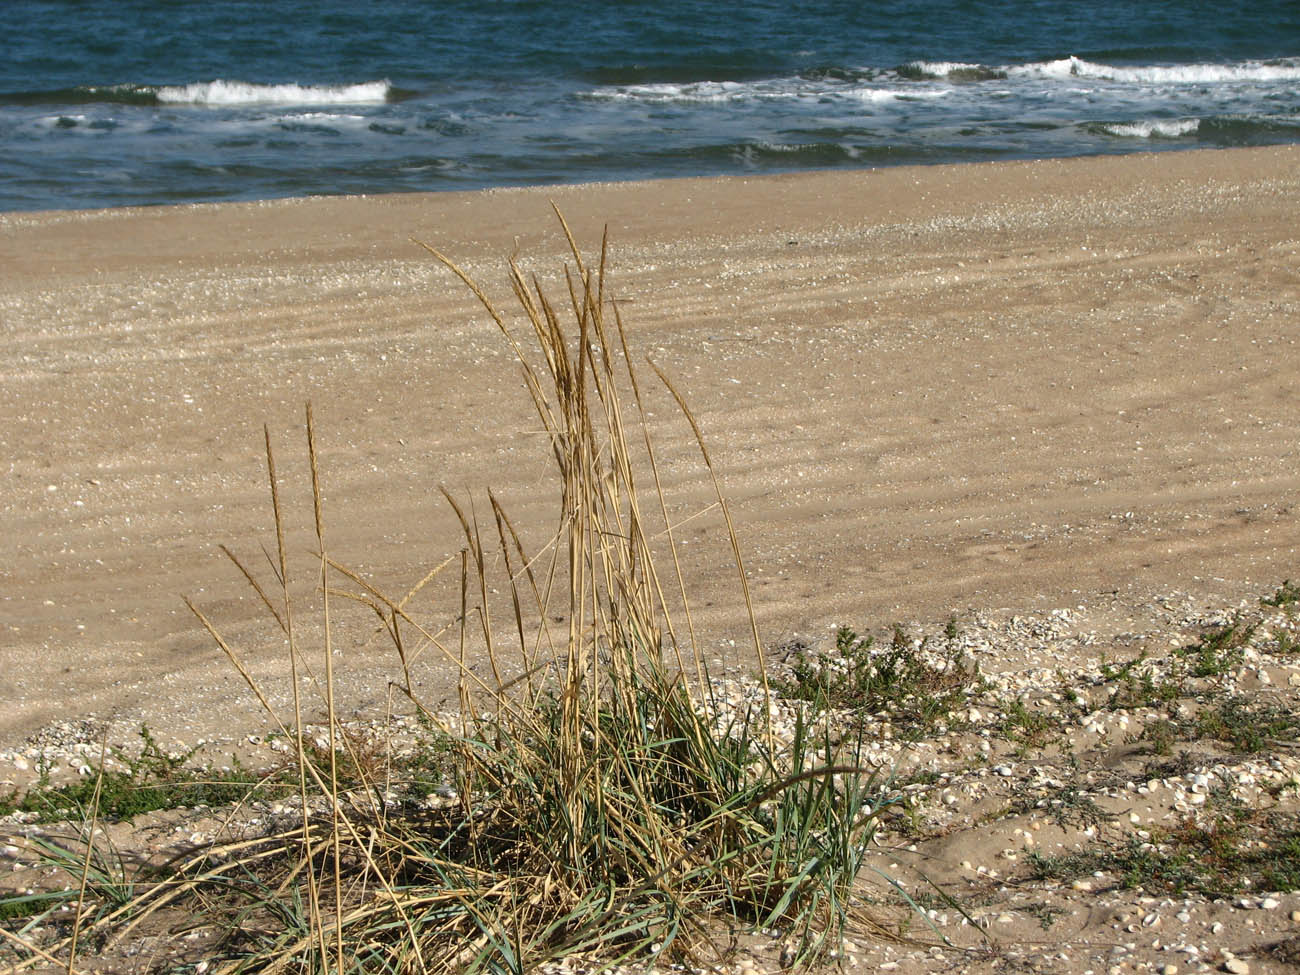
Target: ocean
{"x":129,"y":102}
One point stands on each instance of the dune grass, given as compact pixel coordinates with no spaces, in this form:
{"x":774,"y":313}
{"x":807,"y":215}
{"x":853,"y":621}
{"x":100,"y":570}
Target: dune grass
{"x":604,"y":801}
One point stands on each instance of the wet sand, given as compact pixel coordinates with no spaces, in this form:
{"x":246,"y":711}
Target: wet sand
{"x":927,"y":391}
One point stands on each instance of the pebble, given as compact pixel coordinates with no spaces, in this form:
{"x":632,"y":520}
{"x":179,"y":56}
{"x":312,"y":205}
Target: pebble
{"x":1236,"y":967}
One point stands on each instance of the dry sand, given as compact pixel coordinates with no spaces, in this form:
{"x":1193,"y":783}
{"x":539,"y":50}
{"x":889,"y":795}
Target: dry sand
{"x":927,"y":390}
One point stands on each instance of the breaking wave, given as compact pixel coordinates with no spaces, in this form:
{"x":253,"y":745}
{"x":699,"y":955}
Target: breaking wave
{"x":245,"y":93}
{"x":217,"y":93}
{"x":1156,"y":129}
{"x":1072,"y":67}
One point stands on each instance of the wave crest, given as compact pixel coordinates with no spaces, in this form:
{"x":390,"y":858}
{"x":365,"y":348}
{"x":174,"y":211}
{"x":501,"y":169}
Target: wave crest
{"x":1155,"y":129}
{"x":221,"y":92}
{"x":949,"y":71}
{"x":775,"y":89}
{"x":1073,"y":67}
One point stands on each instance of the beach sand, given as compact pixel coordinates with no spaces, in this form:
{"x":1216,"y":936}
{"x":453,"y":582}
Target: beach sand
{"x":1015,"y":386}
{"x":1056,"y":400}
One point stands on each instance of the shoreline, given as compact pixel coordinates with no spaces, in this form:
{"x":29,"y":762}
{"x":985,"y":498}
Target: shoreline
{"x":954,"y":388}
{"x":1184,"y":164}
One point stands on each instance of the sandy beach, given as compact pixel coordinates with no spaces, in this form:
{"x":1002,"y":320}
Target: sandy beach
{"x":1052,"y":400}
{"x":1013,"y":386}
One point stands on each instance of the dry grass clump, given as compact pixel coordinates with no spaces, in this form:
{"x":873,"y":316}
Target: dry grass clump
{"x":604,"y":803}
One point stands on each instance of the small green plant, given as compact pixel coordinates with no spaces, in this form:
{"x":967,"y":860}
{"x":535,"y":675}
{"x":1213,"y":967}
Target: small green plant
{"x":950,"y":630}
{"x":1219,"y":649}
{"x":1025,"y":728}
{"x":1045,"y":913}
{"x":1134,"y":862}
{"x":1240,"y":849}
{"x":1072,"y":806}
{"x":1242,"y":723}
{"x":1246,"y":726}
{"x":432,"y":765}
{"x":1287,"y":596}
{"x":1172,"y":768}
{"x":145,"y":782}
{"x":1283,"y":873}
{"x":1160,"y":736}
{"x":911,"y":682}
{"x":1286,"y":951}
{"x":1136,"y":686}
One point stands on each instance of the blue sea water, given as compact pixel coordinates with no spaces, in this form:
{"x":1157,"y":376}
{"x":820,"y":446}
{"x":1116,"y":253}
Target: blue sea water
{"x":159,"y":101}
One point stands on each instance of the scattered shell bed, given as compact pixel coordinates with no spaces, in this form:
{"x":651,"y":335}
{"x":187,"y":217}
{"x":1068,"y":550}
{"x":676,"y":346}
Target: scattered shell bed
{"x":1048,"y":752}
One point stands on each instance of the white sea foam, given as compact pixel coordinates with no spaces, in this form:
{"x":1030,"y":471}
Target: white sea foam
{"x":702,"y":92}
{"x":941,"y":69}
{"x":695,"y":92}
{"x":245,"y":93}
{"x":1249,"y":71}
{"x":878,"y":96}
{"x":319,"y":118}
{"x":775,"y":89}
{"x":875,"y":96}
{"x":65,"y":123}
{"x":1158,"y":129}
